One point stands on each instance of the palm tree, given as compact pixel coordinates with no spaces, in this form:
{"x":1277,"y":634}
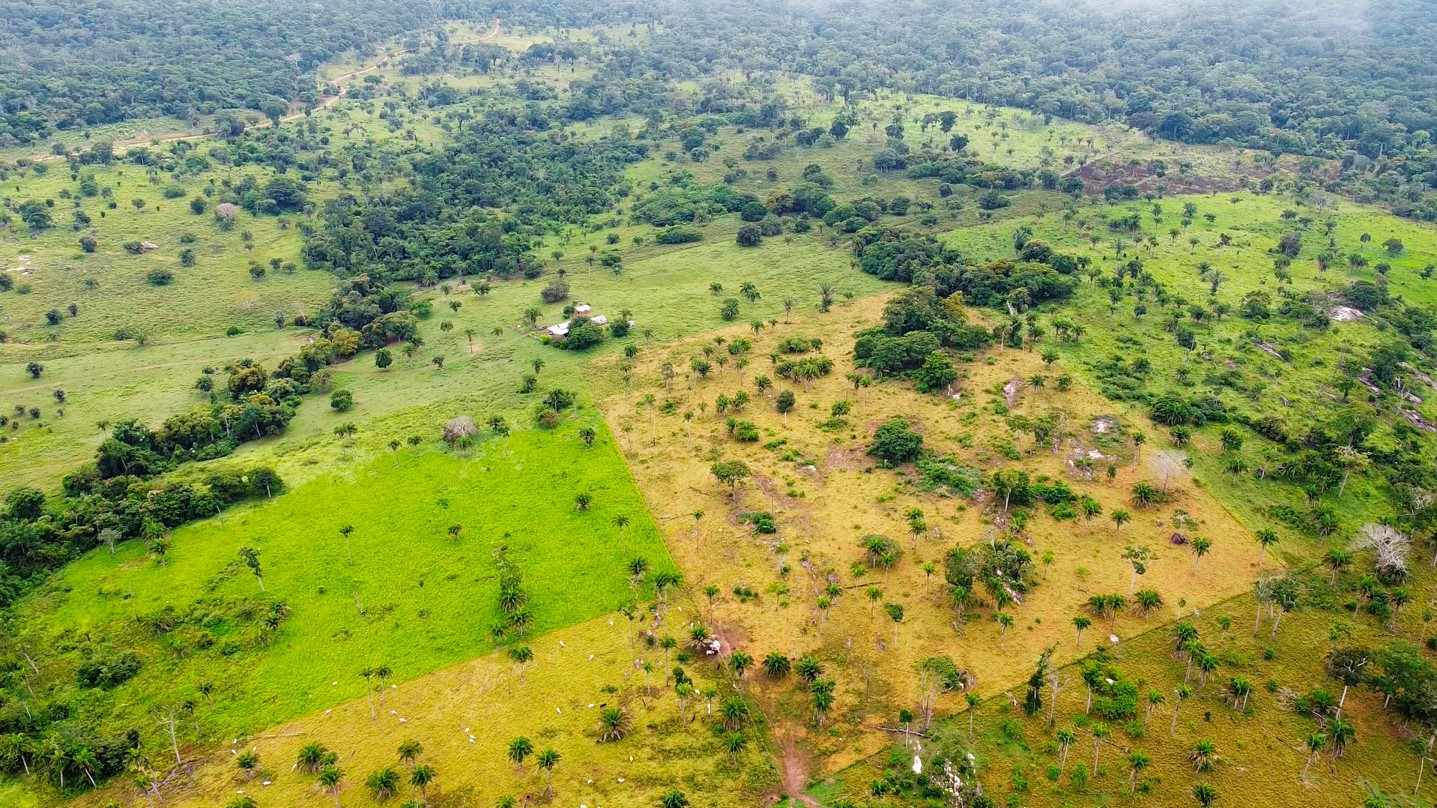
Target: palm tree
{"x":822,"y":692}
{"x":1203,"y":756}
{"x":331,"y":778}
{"x":808,"y":668}
{"x":520,"y":748}
{"x":825,"y":296}
{"x":1137,"y":761}
{"x":383,"y":783}
{"x":1266,"y":537}
{"x":1066,"y":738}
{"x":1201,"y":546}
{"x":1337,"y":559}
{"x":740,"y":661}
{"x":1120,"y":518}
{"x":673,"y":798}
{"x":1314,"y":742}
{"x":1100,"y":731}
{"x":547,"y":760}
{"x":777,"y":665}
{"x":1204,"y":794}
{"x":734,"y":743}
{"x":1239,"y":688}
{"x":312,"y":757}
{"x":420,"y":778}
{"x":613,"y":724}
{"x":1081,"y":623}
{"x":409,"y":751}
{"x":1342,"y":733}
{"x":734,"y":711}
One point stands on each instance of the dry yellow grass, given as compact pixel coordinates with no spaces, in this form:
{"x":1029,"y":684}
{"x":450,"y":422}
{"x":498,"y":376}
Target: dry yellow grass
{"x":825,"y":494}
{"x":465,"y":716}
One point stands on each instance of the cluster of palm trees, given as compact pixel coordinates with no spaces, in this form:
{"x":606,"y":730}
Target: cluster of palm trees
{"x":383,"y":783}
{"x":519,"y":751}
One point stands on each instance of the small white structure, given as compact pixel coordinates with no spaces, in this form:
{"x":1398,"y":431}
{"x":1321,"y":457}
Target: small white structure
{"x":559,"y":329}
{"x":598,"y":319}
{"x":582,"y":309}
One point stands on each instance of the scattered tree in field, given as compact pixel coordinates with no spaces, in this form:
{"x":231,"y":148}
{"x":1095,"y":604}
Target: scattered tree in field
{"x":520,"y":749}
{"x":250,"y":558}
{"x":547,"y":760}
{"x":382,"y":783}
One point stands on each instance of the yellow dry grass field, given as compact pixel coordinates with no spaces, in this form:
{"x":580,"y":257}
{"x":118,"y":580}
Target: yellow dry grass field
{"x":465,"y":716}
{"x":805,"y":588}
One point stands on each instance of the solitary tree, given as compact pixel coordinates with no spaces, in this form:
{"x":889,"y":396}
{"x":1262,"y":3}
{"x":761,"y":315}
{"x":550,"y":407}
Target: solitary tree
{"x":519,"y":749}
{"x":547,"y":760}
{"x":1120,"y":518}
{"x":250,"y":557}
{"x":1315,"y":743}
{"x":731,"y":473}
{"x":1137,"y":761}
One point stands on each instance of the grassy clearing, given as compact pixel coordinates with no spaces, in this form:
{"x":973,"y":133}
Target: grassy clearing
{"x":414,"y":596}
{"x":110,"y":286}
{"x":811,"y":473}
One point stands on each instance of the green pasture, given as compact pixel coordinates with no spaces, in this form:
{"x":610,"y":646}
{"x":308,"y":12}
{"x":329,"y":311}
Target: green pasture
{"x":401,"y":590}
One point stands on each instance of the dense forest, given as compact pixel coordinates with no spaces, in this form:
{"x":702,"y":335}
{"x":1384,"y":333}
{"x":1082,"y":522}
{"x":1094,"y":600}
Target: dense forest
{"x":72,"y":65}
{"x":1349,"y":82}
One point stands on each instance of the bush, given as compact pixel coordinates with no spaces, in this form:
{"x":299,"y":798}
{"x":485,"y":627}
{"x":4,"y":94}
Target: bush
{"x":895,"y":443}
{"x":935,"y":374}
{"x":992,"y":200}
{"x":108,"y":671}
{"x":341,"y":401}
{"x":160,"y":277}
{"x":750,"y":235}
{"x":678,"y":235}
{"x":583,"y":334}
{"x":556,"y":291}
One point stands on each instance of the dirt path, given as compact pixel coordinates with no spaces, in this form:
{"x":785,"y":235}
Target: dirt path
{"x":795,"y":772}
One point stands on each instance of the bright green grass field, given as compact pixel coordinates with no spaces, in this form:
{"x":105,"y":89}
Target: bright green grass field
{"x":666,"y":288}
{"x":414,"y":598}
{"x":110,"y":285}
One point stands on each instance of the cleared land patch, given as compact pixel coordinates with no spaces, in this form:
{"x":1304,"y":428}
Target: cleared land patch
{"x":804,"y":587}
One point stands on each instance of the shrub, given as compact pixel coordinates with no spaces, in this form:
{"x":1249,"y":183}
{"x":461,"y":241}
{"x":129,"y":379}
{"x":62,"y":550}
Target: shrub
{"x":678,"y":235}
{"x":895,"y":443}
{"x":108,"y":671}
{"x":556,"y":291}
